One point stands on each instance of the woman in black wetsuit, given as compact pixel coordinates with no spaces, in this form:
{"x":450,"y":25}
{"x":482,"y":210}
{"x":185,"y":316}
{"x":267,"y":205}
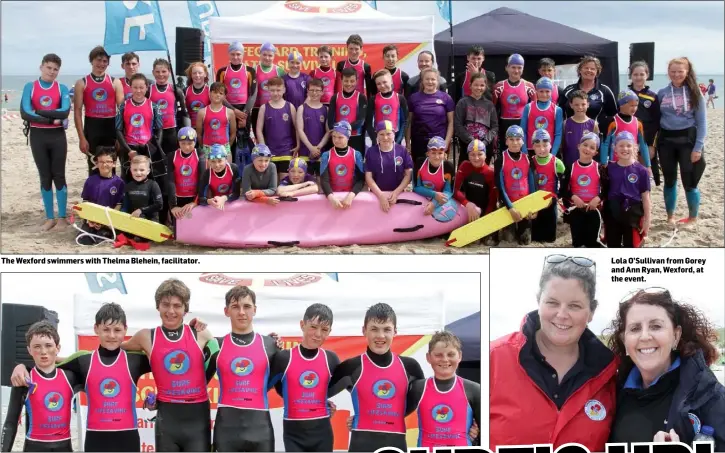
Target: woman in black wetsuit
{"x":602,"y":103}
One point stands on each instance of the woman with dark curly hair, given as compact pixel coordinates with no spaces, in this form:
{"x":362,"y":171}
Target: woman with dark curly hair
{"x":667,"y":391}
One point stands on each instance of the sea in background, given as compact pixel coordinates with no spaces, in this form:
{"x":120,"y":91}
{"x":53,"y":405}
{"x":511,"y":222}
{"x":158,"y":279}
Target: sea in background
{"x":13,"y":82}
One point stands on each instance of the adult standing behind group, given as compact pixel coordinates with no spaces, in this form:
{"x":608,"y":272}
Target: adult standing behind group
{"x":130,"y":64}
{"x":474,"y":65}
{"x":602,"y":102}
{"x":430,"y":115}
{"x":426,"y":60}
{"x":45,"y":104}
{"x":648,"y":111}
{"x":681,"y":139}
{"x":94,"y":106}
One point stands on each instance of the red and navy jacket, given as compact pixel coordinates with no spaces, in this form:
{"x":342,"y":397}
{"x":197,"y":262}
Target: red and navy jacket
{"x":522,"y":414}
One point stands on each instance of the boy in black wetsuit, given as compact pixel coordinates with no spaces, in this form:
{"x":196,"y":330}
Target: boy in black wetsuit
{"x":177,"y":362}
{"x":378,"y":383}
{"x":307,"y":425}
{"x":242,"y":360}
{"x":142,"y":199}
{"x":105,"y":432}
{"x":48,"y":401}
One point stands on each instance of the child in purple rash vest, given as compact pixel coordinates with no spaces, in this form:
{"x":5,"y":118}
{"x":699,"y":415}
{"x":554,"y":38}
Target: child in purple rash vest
{"x":576,"y":126}
{"x":297,"y":182}
{"x":311,"y":126}
{"x":103,"y":188}
{"x":388,"y":166}
{"x":276,"y":127}
{"x":628,"y":208}
{"x":295,"y":82}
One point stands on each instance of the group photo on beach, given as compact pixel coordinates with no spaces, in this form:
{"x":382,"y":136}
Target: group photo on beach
{"x":266,"y":146}
{"x":283,"y":362}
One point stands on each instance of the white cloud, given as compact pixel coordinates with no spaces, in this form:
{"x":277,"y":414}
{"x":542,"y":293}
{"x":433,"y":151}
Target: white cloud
{"x":71,"y":29}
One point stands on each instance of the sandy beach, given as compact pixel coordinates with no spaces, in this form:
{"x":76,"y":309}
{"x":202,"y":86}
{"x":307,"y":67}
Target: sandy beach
{"x":22,"y":211}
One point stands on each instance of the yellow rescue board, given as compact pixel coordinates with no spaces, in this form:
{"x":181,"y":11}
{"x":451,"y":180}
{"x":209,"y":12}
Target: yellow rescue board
{"x":501,"y":218}
{"x":123,"y":222}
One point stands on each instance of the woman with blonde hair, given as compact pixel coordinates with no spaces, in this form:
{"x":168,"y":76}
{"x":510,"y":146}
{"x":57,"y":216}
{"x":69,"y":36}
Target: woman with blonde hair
{"x":430,"y":114}
{"x":197,"y":93}
{"x":681,"y":139}
{"x":602,"y":102}
{"x":666,"y":390}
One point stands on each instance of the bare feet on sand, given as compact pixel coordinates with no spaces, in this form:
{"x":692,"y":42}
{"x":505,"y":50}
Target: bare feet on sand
{"x":48,"y":224}
{"x":61,"y":225}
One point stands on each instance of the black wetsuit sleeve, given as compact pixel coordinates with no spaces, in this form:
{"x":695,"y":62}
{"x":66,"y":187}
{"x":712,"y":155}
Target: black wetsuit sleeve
{"x":325,"y":181}
{"x":359,"y":180}
{"x":15,"y":408}
{"x":270,"y":345}
{"x":138,"y":365}
{"x":331,"y":112}
{"x":74,"y":381}
{"x":404,"y":77}
{"x":203,"y":186}
{"x":181,"y":112}
{"x":170,"y":182}
{"x":156,"y":202}
{"x":371,"y":88}
{"x":343,"y":375}
{"x":252,"y":93}
{"x":236,"y":184}
{"x":415,"y":393}
{"x":404,"y":110}
{"x":473,"y":393}
{"x":211,"y":368}
{"x":369,"y":120}
{"x":120,"y":127}
{"x":158,"y":127}
{"x":277,"y":368}
{"x":603,"y":182}
{"x":78,"y":366}
{"x":333,"y":362}
{"x":564,"y":190}
{"x":412,"y":369}
{"x":362,"y":105}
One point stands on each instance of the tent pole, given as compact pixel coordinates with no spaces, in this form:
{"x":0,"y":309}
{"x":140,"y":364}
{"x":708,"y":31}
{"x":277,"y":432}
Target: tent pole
{"x":452,"y":83}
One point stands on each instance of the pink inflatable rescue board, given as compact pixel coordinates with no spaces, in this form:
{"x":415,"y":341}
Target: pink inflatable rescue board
{"x":311,"y":221}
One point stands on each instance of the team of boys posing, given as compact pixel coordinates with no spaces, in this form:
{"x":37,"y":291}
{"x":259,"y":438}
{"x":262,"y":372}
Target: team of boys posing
{"x":310,"y":132}
{"x":384,"y":387}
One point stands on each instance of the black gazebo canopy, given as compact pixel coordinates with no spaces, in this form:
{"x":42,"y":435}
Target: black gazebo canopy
{"x":504,"y":31}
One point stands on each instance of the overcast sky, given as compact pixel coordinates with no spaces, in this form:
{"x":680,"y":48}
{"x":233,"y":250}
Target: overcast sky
{"x":71,"y":29}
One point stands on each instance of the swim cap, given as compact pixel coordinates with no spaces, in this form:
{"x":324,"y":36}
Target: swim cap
{"x":218,"y":152}
{"x":268,"y":46}
{"x":626,"y":96}
{"x":187,"y":133}
{"x":261,"y":150}
{"x":384,"y":125}
{"x":476,"y":145}
{"x":514,"y":131}
{"x":624,"y":136}
{"x":342,"y":127}
{"x":236,"y":46}
{"x":516,"y":59}
{"x":298,"y":162}
{"x":540,"y":135}
{"x":294,"y":55}
{"x":544,"y":83}
{"x":436,"y":143}
{"x":590,"y":136}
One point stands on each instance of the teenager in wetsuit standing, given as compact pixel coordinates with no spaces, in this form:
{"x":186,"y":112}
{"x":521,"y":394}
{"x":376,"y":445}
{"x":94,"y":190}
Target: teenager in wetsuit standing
{"x":177,"y":362}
